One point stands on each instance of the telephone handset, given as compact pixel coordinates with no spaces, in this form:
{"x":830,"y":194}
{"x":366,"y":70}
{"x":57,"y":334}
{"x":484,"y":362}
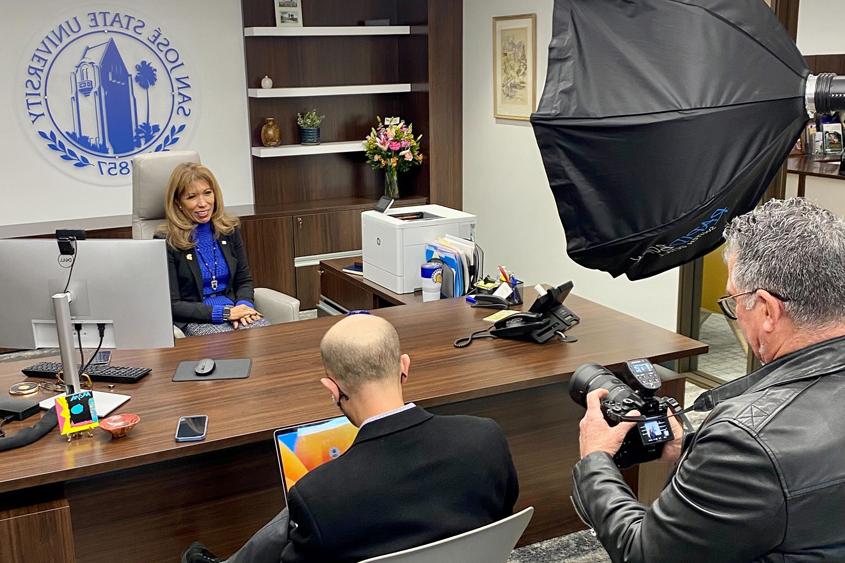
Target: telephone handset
{"x":519,"y":325}
{"x":546,"y":318}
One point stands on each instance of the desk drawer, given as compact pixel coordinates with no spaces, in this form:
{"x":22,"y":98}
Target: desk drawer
{"x":343,"y":293}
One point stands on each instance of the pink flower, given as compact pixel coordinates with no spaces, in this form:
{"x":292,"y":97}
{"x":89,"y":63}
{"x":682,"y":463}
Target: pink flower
{"x":407,"y":155}
{"x":395,"y":145}
{"x":406,"y":144}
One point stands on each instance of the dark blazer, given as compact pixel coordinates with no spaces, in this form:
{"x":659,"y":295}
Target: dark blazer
{"x":408,"y":479}
{"x":183,"y":269}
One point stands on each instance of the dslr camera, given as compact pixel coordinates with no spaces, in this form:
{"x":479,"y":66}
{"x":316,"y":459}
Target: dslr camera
{"x":641,"y":381}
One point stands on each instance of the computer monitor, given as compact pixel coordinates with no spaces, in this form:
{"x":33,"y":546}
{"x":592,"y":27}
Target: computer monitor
{"x":122,"y":284}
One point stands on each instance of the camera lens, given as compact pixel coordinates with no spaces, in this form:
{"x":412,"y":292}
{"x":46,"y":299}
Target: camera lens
{"x":590,"y":377}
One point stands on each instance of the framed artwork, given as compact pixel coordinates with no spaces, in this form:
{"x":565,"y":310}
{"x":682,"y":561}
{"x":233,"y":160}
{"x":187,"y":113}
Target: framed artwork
{"x":514,"y":66}
{"x":288,"y":13}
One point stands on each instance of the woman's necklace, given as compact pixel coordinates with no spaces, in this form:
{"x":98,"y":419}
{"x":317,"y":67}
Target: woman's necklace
{"x":208,"y":268}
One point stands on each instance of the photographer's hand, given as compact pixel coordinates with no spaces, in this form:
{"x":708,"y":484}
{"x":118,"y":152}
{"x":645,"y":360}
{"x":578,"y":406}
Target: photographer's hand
{"x":672,"y":450}
{"x":596,"y":435}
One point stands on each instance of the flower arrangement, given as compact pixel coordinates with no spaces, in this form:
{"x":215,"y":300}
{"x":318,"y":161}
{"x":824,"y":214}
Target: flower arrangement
{"x":391,"y":145}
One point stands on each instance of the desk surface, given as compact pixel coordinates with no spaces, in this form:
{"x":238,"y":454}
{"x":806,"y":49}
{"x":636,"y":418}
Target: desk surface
{"x":283,"y":388}
{"x":812,"y":165}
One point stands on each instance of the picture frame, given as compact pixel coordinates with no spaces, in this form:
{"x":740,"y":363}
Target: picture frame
{"x":288,"y":13}
{"x":514,"y":66}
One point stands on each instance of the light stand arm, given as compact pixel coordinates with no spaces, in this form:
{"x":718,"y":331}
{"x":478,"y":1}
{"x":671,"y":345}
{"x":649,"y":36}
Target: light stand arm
{"x":64,"y":326}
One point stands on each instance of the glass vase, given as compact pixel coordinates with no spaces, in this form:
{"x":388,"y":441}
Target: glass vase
{"x":391,"y":185}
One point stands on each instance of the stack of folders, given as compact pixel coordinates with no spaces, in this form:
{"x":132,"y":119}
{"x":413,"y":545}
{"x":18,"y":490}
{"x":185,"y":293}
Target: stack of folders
{"x":463,"y":263}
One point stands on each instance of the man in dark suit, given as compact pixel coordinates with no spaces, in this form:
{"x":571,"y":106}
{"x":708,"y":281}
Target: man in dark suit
{"x":409,"y":478}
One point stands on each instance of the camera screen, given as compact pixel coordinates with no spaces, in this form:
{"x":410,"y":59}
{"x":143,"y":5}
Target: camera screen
{"x":655,"y":431}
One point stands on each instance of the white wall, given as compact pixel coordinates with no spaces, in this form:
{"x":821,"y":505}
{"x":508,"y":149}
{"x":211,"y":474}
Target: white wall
{"x":820,"y":27}
{"x":34,"y":188}
{"x":505,"y":184}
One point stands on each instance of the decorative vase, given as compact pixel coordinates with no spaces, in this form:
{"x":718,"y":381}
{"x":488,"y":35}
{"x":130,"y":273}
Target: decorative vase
{"x":271,"y":136}
{"x":266,"y":82}
{"x":309,"y":135}
{"x":391,"y":185}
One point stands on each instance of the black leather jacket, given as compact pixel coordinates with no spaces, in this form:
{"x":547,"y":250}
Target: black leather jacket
{"x":762,"y":480}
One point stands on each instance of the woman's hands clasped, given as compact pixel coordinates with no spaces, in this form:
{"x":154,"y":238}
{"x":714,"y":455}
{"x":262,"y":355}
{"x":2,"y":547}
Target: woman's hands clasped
{"x":242,"y":315}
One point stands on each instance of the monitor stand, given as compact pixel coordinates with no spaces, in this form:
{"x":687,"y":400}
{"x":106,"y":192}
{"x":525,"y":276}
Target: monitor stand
{"x":64,"y":326}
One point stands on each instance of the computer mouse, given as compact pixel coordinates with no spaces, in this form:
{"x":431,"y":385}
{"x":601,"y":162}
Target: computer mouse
{"x":204,"y":367}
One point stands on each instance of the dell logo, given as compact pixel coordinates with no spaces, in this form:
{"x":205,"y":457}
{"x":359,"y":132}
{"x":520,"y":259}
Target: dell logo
{"x":65,"y":261}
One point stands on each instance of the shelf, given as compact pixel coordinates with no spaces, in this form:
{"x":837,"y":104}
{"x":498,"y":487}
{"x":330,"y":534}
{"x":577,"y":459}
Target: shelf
{"x":328,"y":90}
{"x":304,"y":150}
{"x":327,"y":31}
{"x":267,"y":211}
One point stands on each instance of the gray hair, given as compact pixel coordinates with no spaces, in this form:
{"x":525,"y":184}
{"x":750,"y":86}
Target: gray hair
{"x":796,"y":249}
{"x":361,"y":348}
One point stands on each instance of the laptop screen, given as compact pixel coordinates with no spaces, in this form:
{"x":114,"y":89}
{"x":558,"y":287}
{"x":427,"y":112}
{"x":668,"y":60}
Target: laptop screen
{"x":302,"y":448}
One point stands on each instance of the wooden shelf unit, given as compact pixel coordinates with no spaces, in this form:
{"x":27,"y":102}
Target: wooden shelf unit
{"x":324,"y":31}
{"x":305,"y":150}
{"x":352,"y":73}
{"x":358,"y":89}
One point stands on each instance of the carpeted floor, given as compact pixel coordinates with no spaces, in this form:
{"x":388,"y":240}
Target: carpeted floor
{"x":580,"y":547}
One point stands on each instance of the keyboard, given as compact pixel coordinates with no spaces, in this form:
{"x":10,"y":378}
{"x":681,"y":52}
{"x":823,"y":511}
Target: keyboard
{"x":109,"y":374}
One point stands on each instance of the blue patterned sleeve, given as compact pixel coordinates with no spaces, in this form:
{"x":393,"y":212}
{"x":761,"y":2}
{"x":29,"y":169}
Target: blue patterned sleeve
{"x":217,"y":314}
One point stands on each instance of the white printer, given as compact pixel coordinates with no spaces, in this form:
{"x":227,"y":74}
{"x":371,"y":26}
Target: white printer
{"x":394,"y":247}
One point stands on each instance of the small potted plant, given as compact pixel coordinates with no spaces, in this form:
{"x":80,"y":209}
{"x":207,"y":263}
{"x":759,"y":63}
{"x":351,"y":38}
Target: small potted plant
{"x":309,"y":127}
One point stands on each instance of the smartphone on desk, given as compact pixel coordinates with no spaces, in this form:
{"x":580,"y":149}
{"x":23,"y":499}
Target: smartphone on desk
{"x":192,"y":428}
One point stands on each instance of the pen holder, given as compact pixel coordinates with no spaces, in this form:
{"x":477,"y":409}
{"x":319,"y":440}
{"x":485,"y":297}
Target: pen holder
{"x":515,"y":298}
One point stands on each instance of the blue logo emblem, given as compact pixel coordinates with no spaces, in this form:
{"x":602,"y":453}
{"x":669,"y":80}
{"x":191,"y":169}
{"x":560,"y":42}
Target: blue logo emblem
{"x":102,"y":87}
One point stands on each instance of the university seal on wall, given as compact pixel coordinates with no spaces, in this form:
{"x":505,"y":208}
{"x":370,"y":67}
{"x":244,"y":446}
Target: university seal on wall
{"x":101,"y":87}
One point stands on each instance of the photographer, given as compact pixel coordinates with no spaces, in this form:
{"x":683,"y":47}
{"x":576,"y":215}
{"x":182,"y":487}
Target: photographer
{"x":763,"y":478}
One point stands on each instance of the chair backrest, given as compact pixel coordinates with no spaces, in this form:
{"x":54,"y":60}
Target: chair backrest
{"x":492,"y":543}
{"x":150,"y":175}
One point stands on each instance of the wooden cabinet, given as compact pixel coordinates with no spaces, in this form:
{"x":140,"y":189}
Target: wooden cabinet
{"x":322,"y":233}
{"x":350,"y":73}
{"x":269,"y":246}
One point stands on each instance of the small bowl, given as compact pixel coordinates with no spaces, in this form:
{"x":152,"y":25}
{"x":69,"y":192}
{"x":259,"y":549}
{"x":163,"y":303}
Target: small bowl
{"x":118,"y":425}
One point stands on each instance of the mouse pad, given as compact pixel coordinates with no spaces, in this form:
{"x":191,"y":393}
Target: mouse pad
{"x":223,"y":369}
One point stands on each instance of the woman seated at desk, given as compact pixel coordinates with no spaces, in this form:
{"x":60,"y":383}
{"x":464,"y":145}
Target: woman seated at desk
{"x":211,"y":287}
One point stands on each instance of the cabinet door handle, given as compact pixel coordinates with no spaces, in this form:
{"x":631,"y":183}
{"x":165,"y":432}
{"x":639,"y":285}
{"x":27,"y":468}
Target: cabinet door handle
{"x":321,"y":271}
{"x":299,"y":222}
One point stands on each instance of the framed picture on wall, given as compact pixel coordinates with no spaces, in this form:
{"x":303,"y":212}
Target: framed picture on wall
{"x":288,"y":13}
{"x":514,"y":66}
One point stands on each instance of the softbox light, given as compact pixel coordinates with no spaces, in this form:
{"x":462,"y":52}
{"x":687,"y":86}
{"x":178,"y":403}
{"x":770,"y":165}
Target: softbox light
{"x":661,"y":120}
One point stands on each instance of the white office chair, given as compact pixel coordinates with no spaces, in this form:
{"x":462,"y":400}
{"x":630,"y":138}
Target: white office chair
{"x":492,"y":543}
{"x":150,"y":175}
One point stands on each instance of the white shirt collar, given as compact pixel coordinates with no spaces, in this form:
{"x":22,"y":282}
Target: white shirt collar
{"x":386,"y":414}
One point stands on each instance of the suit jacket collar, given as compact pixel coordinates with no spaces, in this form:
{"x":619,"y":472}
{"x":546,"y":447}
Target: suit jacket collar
{"x":391,"y":424}
{"x":193,"y":262}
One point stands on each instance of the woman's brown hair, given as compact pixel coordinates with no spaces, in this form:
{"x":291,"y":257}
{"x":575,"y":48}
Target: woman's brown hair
{"x":179,"y":228}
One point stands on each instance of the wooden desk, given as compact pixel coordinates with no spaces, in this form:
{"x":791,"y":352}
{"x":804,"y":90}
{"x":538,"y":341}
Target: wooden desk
{"x":812,"y":165}
{"x":354,"y":292}
{"x":145,"y":498}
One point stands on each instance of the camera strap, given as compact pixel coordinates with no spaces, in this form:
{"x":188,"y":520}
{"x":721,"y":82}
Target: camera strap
{"x":708,"y":400}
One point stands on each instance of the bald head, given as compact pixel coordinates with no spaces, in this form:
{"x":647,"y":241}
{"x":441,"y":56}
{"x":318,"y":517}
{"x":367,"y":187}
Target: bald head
{"x":361,"y":348}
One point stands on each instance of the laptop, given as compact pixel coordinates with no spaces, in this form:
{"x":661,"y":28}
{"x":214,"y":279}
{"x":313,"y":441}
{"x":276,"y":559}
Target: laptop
{"x":301,"y":448}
